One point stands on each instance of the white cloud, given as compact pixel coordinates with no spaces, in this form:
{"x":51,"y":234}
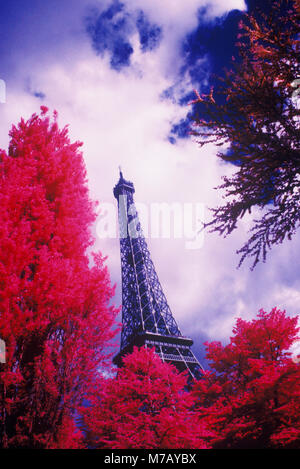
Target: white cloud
{"x":182,"y":16}
{"x":178,"y":18}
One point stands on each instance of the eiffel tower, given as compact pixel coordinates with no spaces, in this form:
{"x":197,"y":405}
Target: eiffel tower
{"x":146,"y":317}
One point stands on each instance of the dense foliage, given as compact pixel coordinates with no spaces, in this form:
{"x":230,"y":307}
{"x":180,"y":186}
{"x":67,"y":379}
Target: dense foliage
{"x":145,"y":406}
{"x":55,"y":317}
{"x":251,"y":396}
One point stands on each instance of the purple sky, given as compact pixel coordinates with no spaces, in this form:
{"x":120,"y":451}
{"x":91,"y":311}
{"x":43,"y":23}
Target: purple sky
{"x":119,"y":74}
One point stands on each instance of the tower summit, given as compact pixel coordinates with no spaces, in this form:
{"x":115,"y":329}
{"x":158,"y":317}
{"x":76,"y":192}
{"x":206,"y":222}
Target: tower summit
{"x":146,"y":317}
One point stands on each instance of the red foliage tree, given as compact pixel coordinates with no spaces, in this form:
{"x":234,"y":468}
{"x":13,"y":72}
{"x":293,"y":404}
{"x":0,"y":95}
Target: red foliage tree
{"x":145,"y":406}
{"x":251,"y":399}
{"x":255,"y":111}
{"x":55,"y":316}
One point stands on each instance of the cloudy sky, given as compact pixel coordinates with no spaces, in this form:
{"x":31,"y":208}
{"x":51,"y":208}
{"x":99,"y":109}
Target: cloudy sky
{"x":121,"y":74}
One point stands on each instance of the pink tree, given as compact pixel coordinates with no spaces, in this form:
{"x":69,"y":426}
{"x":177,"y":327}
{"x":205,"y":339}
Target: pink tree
{"x":56,"y":319}
{"x":145,"y":406}
{"x":251,"y":398}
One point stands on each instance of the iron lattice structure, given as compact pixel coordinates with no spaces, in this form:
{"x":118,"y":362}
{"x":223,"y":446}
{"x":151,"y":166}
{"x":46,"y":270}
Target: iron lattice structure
{"x":146,"y":317}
